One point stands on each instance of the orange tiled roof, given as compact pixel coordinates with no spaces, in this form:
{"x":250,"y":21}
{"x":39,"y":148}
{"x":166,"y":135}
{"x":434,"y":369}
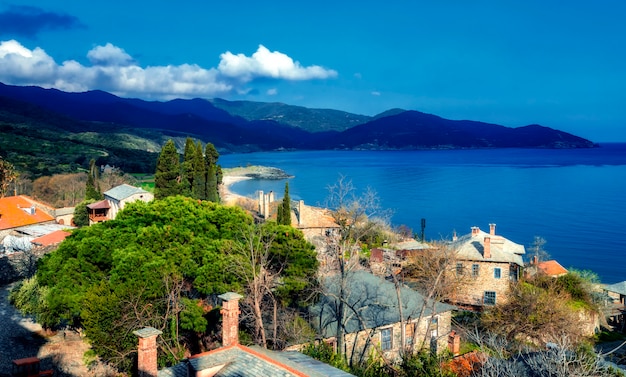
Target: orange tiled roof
{"x":52,"y":238}
{"x":551,"y":268}
{"x":14,"y":212}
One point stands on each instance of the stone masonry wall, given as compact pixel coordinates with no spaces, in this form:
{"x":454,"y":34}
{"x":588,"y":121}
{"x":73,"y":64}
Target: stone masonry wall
{"x":16,"y":266}
{"x":473,"y":288}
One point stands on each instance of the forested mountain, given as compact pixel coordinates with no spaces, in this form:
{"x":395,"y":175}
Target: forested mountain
{"x":37,"y":123}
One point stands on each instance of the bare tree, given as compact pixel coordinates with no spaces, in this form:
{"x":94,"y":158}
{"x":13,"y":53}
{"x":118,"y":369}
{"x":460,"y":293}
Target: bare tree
{"x":251,"y":262}
{"x":353,"y":214}
{"x":7,"y":175}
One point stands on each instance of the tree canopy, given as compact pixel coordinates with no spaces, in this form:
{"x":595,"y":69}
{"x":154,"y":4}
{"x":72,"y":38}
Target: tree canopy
{"x":155,"y":265}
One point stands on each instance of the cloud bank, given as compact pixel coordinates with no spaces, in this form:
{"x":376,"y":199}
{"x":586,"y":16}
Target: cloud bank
{"x":28,"y":21}
{"x":112,"y":69}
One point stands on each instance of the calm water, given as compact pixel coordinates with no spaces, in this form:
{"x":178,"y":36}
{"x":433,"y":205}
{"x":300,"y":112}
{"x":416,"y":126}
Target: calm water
{"x":575,"y":199}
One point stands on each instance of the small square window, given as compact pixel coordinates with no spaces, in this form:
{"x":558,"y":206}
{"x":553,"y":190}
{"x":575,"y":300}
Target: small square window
{"x":490,"y":298}
{"x":459,"y":269}
{"x":497,"y":272}
{"x":475,"y":270}
{"x":386,"y":339}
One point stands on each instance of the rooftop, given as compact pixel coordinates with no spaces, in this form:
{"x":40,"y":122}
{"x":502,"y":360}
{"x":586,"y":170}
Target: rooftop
{"x":551,"y":268}
{"x":19,"y":211}
{"x":239,"y":360}
{"x":472,"y":246}
{"x":376,"y":301}
{"x":123,"y":191}
{"x":51,"y":238}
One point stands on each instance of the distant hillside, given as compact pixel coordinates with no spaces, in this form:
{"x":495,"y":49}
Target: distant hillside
{"x":416,"y":130}
{"x":37,"y":123}
{"x":311,"y":120}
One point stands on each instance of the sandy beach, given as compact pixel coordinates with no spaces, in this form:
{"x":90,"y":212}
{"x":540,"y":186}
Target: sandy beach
{"x":228,"y":197}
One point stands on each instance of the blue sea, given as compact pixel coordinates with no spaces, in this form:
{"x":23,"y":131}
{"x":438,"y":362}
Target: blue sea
{"x":573,"y":198}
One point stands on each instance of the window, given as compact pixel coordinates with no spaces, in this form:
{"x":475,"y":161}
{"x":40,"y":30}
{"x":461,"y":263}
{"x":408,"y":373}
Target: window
{"x":475,"y":270}
{"x":409,"y":330}
{"x":497,"y":272}
{"x":490,"y":298}
{"x":459,"y":269}
{"x":513,"y":272}
{"x":385,"y":339}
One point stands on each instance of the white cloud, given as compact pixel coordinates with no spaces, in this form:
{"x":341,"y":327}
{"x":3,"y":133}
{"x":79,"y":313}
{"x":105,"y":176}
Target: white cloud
{"x":272,"y":92}
{"x":109,"y":55}
{"x":375,"y":93}
{"x":267,"y":64}
{"x":115,"y":71}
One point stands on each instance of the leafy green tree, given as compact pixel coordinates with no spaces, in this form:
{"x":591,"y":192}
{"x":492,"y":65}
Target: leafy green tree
{"x":92,"y":187}
{"x":168,"y":174}
{"x":81,"y":214}
{"x":150,"y":265}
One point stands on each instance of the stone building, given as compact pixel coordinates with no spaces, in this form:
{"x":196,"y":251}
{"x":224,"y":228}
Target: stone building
{"x":488,"y":263}
{"x":114,"y":201}
{"x":373,"y":322}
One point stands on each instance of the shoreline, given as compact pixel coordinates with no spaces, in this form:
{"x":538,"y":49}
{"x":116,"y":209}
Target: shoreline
{"x":226,"y":195}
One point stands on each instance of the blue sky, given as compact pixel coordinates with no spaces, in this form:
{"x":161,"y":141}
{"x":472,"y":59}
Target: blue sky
{"x":558,"y":64}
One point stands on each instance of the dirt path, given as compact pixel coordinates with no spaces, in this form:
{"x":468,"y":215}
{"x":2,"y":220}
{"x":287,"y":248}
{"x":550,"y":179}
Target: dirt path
{"x":21,"y":337}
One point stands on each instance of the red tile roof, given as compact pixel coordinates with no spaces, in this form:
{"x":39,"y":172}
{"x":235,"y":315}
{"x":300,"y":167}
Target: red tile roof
{"x":15,"y":212}
{"x":551,"y":268}
{"x":51,"y":239}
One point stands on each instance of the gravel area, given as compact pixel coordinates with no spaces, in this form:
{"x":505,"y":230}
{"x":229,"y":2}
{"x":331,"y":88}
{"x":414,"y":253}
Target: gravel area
{"x":21,"y":337}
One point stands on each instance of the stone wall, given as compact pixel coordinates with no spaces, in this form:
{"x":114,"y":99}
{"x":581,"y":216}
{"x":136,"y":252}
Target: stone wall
{"x":473,"y":287}
{"x":16,"y":266}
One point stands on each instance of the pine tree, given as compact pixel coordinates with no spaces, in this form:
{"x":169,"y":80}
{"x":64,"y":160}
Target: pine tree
{"x":188,"y":173}
{"x":198,"y":190}
{"x":167,"y":177}
{"x":285,"y":207}
{"x":212,"y":179}
{"x":92,"y":187}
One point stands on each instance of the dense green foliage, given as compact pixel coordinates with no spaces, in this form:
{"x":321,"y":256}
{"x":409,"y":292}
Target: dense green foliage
{"x":81,"y":214}
{"x":92,"y":188}
{"x":420,"y":364}
{"x":151,"y":266}
{"x":284,"y":209}
{"x":197,"y":176}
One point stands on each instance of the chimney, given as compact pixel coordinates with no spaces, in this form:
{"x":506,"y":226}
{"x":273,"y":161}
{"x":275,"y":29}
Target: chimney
{"x":475,"y":231}
{"x":147,"y":351}
{"x":487,"y":248}
{"x":300,"y":212}
{"x":454,"y":237}
{"x":261,"y":200}
{"x":230,"y":318}
{"x":492,"y":229}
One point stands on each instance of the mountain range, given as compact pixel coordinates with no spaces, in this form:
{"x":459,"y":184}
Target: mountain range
{"x":94,"y":117}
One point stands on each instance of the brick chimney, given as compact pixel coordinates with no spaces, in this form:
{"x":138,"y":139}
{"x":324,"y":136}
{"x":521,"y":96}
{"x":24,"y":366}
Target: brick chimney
{"x":492,"y":229}
{"x":475,"y":231}
{"x":230,"y":318}
{"x":487,"y":248}
{"x":147,"y":351}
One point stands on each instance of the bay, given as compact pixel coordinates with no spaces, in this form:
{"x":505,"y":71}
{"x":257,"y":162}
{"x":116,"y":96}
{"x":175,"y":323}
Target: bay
{"x":573,"y":198}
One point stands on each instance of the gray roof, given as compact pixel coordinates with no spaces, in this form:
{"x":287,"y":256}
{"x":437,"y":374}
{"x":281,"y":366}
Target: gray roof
{"x":472,"y":248}
{"x":123,"y":191}
{"x":374,"y":300}
{"x":39,"y":230}
{"x":617,"y":288}
{"x":240,"y":361}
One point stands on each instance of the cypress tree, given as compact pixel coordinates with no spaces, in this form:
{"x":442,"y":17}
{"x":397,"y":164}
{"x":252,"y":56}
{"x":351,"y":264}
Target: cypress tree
{"x":92,"y":187}
{"x":188,"y":171}
{"x":212,"y":180}
{"x":286,"y":207}
{"x":198,"y":190}
{"x":167,"y":175}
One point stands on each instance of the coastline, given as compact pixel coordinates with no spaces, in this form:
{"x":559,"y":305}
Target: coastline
{"x":238,"y":174}
{"x":226,"y":195}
